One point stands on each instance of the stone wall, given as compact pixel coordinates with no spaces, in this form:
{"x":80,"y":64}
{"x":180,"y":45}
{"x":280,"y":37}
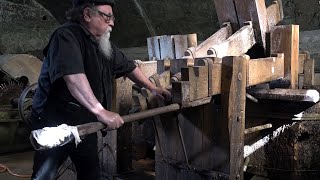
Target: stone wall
{"x":25,"y":26}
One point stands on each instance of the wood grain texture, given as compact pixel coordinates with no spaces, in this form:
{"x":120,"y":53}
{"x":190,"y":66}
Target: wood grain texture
{"x":233,"y":96}
{"x":265,"y":70}
{"x":236,"y":45}
{"x":285,"y":39}
{"x":226,"y":12}
{"x":217,"y":38}
{"x":308,"y":81}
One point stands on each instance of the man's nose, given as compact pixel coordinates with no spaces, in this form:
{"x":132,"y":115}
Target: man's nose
{"x":111,"y":23}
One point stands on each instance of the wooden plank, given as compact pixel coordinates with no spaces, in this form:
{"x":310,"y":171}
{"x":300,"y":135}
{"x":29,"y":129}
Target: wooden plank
{"x":208,"y":63}
{"x":153,"y":48}
{"x":308,"y":73}
{"x":298,"y":95}
{"x":214,"y":74}
{"x":256,"y":12}
{"x":198,"y":78}
{"x":274,"y":13}
{"x":217,"y":38}
{"x":180,"y":44}
{"x":147,"y":67}
{"x":181,"y":92}
{"x":265,"y":69}
{"x":285,"y":39}
{"x":226,"y":12}
{"x":302,"y":57}
{"x":233,"y":96}
{"x":236,"y":45}
{"x":177,"y":64}
{"x":166,"y":47}
{"x":192,"y":40}
{"x":316,"y":80}
{"x":163,"y":65}
{"x":301,"y":60}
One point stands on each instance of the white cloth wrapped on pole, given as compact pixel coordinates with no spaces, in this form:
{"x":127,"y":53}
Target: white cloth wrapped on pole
{"x":50,"y":137}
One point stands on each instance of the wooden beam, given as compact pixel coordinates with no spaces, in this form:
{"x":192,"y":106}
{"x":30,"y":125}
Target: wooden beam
{"x":236,"y":45}
{"x":285,"y":39}
{"x":265,"y":69}
{"x":299,"y":95}
{"x":153,"y":48}
{"x":303,"y":55}
{"x":147,"y":67}
{"x":226,"y":12}
{"x":192,"y":40}
{"x":166,"y":47}
{"x":181,"y":92}
{"x":316,"y":80}
{"x":177,"y":64}
{"x":217,"y":38}
{"x":180,"y":44}
{"x":308,"y":81}
{"x":233,"y":101}
{"x":198,"y":78}
{"x":214,"y":74}
{"x":274,"y":13}
{"x":256,"y":12}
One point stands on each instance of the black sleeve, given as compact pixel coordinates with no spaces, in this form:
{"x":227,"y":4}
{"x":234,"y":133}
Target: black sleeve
{"x":64,"y":55}
{"x":121,"y":64}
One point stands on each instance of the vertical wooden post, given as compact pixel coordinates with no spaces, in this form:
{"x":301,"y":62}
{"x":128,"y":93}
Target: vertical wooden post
{"x":226,"y":12}
{"x":308,"y":80}
{"x":233,"y":101}
{"x":255,"y":11}
{"x":285,"y":39}
{"x":153,"y":48}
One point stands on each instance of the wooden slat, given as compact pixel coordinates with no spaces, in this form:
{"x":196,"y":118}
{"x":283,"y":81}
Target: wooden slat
{"x":153,"y":48}
{"x":233,"y":96}
{"x":308,"y":73}
{"x":217,"y":38}
{"x":226,"y":12}
{"x":166,"y":47}
{"x":274,"y":13}
{"x":214,"y":74}
{"x":316,"y":80}
{"x":255,"y":11}
{"x":177,"y":64}
{"x":285,"y":39}
{"x":180,"y":44}
{"x":147,"y":67}
{"x":298,"y":95}
{"x":192,"y":40}
{"x":198,"y":79}
{"x":181,"y":92}
{"x":265,"y":70}
{"x":302,"y":57}
{"x":236,"y":45}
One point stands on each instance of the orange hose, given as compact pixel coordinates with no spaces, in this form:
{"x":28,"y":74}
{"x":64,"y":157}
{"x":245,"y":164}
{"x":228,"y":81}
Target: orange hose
{"x":4,"y":168}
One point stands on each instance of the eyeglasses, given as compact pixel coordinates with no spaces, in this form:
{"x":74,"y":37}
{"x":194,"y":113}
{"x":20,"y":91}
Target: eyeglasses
{"x":106,"y":17}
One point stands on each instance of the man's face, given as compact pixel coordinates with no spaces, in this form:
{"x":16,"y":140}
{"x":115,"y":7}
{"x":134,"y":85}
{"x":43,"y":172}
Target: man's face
{"x":99,"y":20}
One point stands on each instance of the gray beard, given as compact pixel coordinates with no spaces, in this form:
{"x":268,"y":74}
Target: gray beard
{"x":105,"y":45}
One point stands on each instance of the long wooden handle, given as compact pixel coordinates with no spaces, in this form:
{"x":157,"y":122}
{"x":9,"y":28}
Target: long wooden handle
{"x":93,"y":127}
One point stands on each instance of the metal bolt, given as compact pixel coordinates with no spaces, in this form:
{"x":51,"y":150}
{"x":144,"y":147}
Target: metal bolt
{"x":239,"y":76}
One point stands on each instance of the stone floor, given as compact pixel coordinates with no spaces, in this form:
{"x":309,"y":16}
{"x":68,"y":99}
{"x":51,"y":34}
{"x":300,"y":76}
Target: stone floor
{"x":21,"y":163}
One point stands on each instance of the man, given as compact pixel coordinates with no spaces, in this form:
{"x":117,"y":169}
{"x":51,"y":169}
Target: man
{"x":75,"y":85}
